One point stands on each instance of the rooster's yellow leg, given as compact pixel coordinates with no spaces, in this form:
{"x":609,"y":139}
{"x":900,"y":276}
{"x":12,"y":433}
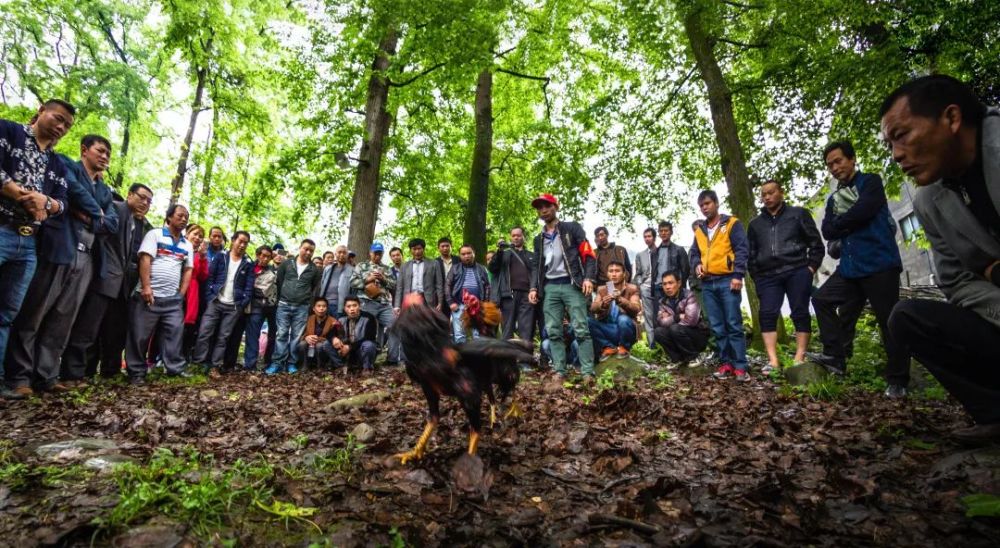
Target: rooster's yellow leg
{"x":514,"y":410}
{"x":473,"y":442}
{"x":418,"y":450}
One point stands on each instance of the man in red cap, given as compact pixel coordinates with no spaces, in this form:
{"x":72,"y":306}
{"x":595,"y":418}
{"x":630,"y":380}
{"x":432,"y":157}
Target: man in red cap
{"x":564,"y":281}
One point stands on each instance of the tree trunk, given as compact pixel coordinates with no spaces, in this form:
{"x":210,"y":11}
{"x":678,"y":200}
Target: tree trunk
{"x":178,"y":183}
{"x":734,"y":167}
{"x":123,"y":154}
{"x":479,"y":183}
{"x":200,"y":204}
{"x":365,"y":202}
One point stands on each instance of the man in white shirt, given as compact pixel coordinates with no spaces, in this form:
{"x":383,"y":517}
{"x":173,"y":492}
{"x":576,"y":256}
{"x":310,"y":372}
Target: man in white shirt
{"x":156,"y":306}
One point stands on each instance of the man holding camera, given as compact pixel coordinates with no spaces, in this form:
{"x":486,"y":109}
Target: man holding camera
{"x":512,"y":267}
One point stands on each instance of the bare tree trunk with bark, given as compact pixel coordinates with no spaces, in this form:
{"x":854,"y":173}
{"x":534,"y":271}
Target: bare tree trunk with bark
{"x":479,"y":182}
{"x":196,"y":107}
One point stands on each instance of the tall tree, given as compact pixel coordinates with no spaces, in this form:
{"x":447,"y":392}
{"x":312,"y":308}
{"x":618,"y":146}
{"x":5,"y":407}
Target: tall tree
{"x":479,"y":181}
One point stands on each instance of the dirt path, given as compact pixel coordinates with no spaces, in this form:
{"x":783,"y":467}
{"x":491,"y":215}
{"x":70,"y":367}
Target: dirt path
{"x":695,"y":462}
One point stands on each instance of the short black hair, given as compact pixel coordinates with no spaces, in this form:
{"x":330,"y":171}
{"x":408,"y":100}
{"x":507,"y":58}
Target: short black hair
{"x":464,"y":245}
{"x":930,"y":95}
{"x":328,"y":252}
{"x":307,"y":241}
{"x":710,"y":194}
{"x":394,"y":248}
{"x":617,"y":262}
{"x":173,"y":209}
{"x":600,"y":229}
{"x":239,"y":232}
{"x":136,"y":186}
{"x":417,"y":242}
{"x":263,"y":248}
{"x":670,"y":273}
{"x":845,"y":146}
{"x":318,"y":299}
{"x":350,"y":298}
{"x":649,"y":230}
{"x":90,"y":139}
{"x":444,"y":240}
{"x":668,"y":224}
{"x":517,"y":227}
{"x":772,"y":182}
{"x":59,"y":102}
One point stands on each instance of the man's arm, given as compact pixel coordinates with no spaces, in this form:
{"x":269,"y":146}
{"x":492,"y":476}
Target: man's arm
{"x":496,"y":262}
{"x":814,"y":242}
{"x":738,"y":239}
{"x":108,"y":223}
{"x":185,"y":281}
{"x":871,"y":199}
{"x":397,"y":297}
{"x":248,"y":286}
{"x":145,"y":268}
{"x":628,"y":265}
{"x":358,"y":278}
{"x":685,"y":265}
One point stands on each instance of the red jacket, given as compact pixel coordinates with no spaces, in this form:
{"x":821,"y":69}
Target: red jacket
{"x":198,"y":275}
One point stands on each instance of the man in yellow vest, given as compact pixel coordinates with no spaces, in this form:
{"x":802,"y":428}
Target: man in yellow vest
{"x":719,"y":258}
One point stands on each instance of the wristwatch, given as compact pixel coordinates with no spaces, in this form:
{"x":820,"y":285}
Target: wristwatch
{"x":48,"y":204}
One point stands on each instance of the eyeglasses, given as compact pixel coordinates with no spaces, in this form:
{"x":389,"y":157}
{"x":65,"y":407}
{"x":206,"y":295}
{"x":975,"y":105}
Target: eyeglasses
{"x":145,"y":199}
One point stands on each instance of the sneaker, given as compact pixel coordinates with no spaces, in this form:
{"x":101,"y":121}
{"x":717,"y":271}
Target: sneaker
{"x":742,"y":375}
{"x":292,"y":369}
{"x":183,"y":374}
{"x":895,"y":392}
{"x":607,"y":353}
{"x":19,"y":393}
{"x":58,"y":388}
{"x":622,"y":352}
{"x":137,"y":381}
{"x":766,"y":370}
{"x":833,"y":364}
{"x":725,"y":371}
{"x":213,"y":373}
{"x":272,"y":369}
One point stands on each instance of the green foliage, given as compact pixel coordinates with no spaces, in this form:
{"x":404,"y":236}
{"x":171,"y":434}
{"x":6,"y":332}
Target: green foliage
{"x":982,"y":505}
{"x":343,"y":461}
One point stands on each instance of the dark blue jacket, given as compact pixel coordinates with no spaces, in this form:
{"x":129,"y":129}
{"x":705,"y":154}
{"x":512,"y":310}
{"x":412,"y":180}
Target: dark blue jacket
{"x":453,"y":285}
{"x":58,"y":238}
{"x":866,"y":231}
{"x":15,"y":166}
{"x":243,"y":282}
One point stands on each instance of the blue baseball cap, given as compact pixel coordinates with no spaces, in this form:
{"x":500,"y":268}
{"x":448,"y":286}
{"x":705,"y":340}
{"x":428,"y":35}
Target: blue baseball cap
{"x":377,"y":248}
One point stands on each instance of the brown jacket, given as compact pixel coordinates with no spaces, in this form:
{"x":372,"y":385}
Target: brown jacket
{"x":331,"y":328}
{"x":628,"y":301}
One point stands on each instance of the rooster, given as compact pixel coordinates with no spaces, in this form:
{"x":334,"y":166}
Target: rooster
{"x":465,"y":371}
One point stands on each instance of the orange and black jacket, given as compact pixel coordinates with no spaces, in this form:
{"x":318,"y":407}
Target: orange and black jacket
{"x":726,"y":254}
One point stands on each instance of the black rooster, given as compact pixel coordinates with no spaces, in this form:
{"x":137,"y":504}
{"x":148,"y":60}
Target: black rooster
{"x":465,"y":371}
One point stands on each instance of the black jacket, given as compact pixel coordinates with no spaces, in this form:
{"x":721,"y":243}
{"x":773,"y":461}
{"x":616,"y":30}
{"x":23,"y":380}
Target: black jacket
{"x":453,"y":283}
{"x":571,"y":236}
{"x":678,"y":262}
{"x":500,"y":268}
{"x":365,"y":328}
{"x":784,"y":242}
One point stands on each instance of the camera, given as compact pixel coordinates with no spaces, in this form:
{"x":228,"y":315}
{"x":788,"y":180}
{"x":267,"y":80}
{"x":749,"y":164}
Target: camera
{"x":502,"y":244}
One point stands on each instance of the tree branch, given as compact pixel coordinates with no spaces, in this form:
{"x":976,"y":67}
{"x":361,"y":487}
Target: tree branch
{"x":546,"y":80}
{"x":742,"y":5}
{"x":419,"y":75}
{"x":758,"y":45}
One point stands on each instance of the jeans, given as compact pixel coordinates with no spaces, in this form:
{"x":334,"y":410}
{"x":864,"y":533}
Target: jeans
{"x":457,"y":329}
{"x":772,"y":289}
{"x":649,"y":306}
{"x":291,"y":322}
{"x":558,"y":300}
{"x":958,"y":346}
{"x":385,"y":316}
{"x":362,"y":353}
{"x":17,"y":267}
{"x":255,"y":323}
{"x":323,"y":356}
{"x":613,"y":332}
{"x":572,"y":357}
{"x":722,"y":305}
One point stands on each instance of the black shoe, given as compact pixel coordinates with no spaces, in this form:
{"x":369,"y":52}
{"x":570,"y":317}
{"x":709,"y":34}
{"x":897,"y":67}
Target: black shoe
{"x":137,"y":381}
{"x":183,"y":374}
{"x":8,"y":394}
{"x":832,"y":364}
{"x":895,"y":392}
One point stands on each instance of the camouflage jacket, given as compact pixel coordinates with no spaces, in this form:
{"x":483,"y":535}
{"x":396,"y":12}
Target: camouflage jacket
{"x":388,"y":283}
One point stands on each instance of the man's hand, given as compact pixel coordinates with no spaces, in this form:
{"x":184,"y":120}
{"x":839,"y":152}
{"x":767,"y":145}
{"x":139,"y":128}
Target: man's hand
{"x":147,"y":295}
{"x":34,"y":204}
{"x":607,"y":300}
{"x":395,"y":312}
{"x":699,"y":271}
{"x":337,"y":343}
{"x":344,"y":350}
{"x":371,"y":277}
{"x":989,"y":271}
{"x":312,"y":339}
{"x":736,"y":284}
{"x":588,"y":288}
{"x":533,"y":296}
{"x":811,"y":270}
{"x":454,"y":307}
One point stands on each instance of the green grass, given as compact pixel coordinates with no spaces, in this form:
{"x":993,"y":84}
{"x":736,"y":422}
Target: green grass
{"x":343,"y":461}
{"x":982,"y":505}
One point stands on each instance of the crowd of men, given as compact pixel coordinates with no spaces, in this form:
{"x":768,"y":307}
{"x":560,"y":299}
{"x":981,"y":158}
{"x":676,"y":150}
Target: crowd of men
{"x":86,"y":277}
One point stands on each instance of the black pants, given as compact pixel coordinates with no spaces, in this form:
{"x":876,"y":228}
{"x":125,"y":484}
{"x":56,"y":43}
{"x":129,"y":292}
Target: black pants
{"x":233,"y":344}
{"x":959,"y":347}
{"x":111,"y":339}
{"x":682,"y":343}
{"x":839,"y":295}
{"x":83,"y":339}
{"x":772,"y":290}
{"x":518,"y":315}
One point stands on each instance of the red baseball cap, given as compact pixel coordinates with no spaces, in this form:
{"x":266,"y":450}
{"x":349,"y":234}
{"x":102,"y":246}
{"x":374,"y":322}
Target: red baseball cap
{"x":544,"y":199}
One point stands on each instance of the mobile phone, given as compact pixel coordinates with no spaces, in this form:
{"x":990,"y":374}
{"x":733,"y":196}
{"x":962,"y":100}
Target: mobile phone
{"x":611,"y":288}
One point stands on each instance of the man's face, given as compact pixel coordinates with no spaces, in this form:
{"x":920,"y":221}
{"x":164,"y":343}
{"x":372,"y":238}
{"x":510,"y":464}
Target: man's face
{"x":839,"y":165}
{"x":546,"y":212}
{"x":665,"y":234}
{"x":306,"y":251}
{"x":601,"y":238}
{"x":318,"y":261}
{"x":263,"y":257}
{"x":328,"y":258}
{"x":616,"y":274}
{"x":444,"y":248}
{"x":396,"y":256}
{"x":178,"y":220}
{"x":239,"y":245}
{"x":771,"y":195}
{"x":925,"y":148}
{"x":278,"y":258}
{"x":215,"y":238}
{"x":709,"y":208}
{"x":671,"y":286}
{"x":96,"y":157}
{"x":649,"y":237}
{"x":139,"y":202}
{"x":489,"y":256}
{"x":375,"y":257}
{"x":517,"y":238}
{"x":53,"y":122}
{"x":468,"y":256}
{"x":340,"y":255}
{"x":319,"y":308}
{"x":417,"y":252}
{"x":353,"y":309}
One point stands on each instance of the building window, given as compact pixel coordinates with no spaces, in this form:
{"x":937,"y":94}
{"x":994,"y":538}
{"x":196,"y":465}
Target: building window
{"x":910,"y":225}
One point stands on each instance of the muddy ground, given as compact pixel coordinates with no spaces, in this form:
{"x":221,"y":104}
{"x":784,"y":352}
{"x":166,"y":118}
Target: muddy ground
{"x":690,"y":462}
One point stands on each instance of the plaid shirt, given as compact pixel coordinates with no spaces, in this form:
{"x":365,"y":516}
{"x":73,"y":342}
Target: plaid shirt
{"x":388,"y":283}
{"x":22,"y":162}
